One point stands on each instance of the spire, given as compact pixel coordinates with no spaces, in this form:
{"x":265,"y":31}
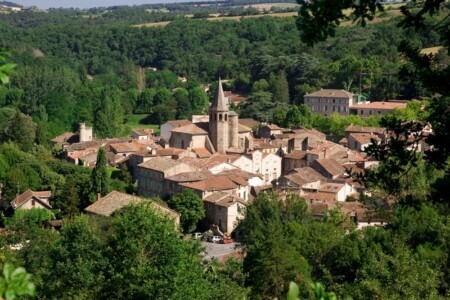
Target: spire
{"x":220,"y":102}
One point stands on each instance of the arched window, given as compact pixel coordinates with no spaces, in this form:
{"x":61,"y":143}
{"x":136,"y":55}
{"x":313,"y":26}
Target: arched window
{"x":226,"y":117}
{"x":220,"y":117}
{"x":182,"y":144}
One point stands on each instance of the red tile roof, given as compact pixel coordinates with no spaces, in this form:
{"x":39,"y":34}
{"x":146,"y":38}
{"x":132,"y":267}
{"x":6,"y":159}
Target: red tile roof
{"x":217,"y":183}
{"x":381,"y":105}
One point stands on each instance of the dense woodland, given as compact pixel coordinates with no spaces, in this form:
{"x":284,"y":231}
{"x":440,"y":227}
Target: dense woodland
{"x":87,"y":66}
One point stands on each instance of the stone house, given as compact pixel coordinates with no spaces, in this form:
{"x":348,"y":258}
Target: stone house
{"x":224,"y":210}
{"x":360,"y":141}
{"x":166,"y":128}
{"x":107,"y":205}
{"x":329,"y":101}
{"x":266,"y":164}
{"x":328,"y":167}
{"x":152,"y":173}
{"x":32,"y":199}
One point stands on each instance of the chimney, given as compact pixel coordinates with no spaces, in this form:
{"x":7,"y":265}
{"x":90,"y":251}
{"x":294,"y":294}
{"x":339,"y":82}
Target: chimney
{"x":99,"y":196}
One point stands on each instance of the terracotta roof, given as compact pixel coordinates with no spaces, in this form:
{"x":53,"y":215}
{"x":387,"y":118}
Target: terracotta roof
{"x":217,"y":183}
{"x":67,"y":137}
{"x":331,"y":93}
{"x":142,"y":131}
{"x":190,"y":176}
{"x":168,"y":151}
{"x":28,"y":194}
{"x":207,"y":163}
{"x":250,"y":123}
{"x":202,"y":152}
{"x":330,"y":187}
{"x":242,"y":128}
{"x":125,"y":147}
{"x":160,"y":164}
{"x":296,"y":154}
{"x":309,"y":131}
{"x":364,"y":138}
{"x":332,"y":166}
{"x":84,"y":146}
{"x":115,"y":200}
{"x":192,"y":129}
{"x":321,"y":147}
{"x":326,"y":197}
{"x":272,"y":127}
{"x":240,"y":173}
{"x":381,"y":105}
{"x":224,"y":199}
{"x":179,"y":123}
{"x":305,"y":175}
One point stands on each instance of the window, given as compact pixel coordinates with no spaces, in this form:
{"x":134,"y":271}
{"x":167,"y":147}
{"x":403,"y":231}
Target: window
{"x":33,"y":203}
{"x":220,"y":117}
{"x":325,"y":108}
{"x":334,"y":100}
{"x":226,"y":117}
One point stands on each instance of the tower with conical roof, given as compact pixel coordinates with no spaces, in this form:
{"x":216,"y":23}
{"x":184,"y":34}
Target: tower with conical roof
{"x":218,"y":121}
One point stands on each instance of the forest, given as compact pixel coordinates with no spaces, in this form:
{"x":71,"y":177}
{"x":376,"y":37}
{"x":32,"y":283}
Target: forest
{"x":64,"y":67}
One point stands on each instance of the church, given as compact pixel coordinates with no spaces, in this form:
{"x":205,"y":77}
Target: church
{"x":222,"y":133}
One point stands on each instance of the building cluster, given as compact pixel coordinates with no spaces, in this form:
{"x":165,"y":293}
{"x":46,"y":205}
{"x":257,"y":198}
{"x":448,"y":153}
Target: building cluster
{"x":227,"y":161}
{"x":328,"y":101}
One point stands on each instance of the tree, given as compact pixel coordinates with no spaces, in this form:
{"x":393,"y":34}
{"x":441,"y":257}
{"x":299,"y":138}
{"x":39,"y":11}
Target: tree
{"x":99,"y":175}
{"x":15,"y":283}
{"x":148,"y":260}
{"x":280,"y":87}
{"x":69,"y":199}
{"x":190,"y":206}
{"x":22,"y":131}
{"x":272,"y":254}
{"x":5,"y":68}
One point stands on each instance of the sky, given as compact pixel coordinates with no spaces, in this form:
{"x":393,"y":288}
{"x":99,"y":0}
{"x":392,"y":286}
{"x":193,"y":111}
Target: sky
{"x":44,"y":4}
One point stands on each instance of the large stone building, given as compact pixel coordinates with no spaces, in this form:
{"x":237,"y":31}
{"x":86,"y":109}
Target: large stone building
{"x":222,"y":133}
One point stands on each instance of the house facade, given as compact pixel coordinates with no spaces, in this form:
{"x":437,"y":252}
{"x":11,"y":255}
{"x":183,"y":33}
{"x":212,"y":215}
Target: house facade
{"x":328,"y":101}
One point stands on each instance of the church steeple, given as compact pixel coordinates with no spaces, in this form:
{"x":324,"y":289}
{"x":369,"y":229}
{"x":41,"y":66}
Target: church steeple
{"x":218,"y":121}
{"x":220,"y":102}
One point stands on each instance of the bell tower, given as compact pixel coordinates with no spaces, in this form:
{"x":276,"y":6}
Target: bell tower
{"x":218,"y":121}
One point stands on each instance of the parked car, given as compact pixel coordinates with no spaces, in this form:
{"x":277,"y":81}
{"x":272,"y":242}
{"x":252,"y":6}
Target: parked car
{"x":197,"y":235}
{"x":214,"y":239}
{"x":226,"y":241}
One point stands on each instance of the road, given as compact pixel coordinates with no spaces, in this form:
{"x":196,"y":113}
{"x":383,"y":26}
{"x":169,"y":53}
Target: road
{"x":218,"y":250}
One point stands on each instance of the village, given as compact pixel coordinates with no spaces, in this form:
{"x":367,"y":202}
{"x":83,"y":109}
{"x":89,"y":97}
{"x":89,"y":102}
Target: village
{"x":228,"y":161}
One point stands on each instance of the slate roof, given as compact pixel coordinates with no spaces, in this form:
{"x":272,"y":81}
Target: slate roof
{"x":331,"y":93}
{"x":28,"y":194}
{"x":115,"y":200}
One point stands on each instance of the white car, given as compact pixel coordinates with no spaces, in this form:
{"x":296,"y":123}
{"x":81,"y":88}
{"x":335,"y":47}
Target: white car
{"x":197,"y":235}
{"x":214,"y":239}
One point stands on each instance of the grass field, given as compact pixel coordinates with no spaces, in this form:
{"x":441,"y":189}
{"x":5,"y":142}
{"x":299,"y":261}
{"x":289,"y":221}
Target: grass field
{"x":133,"y":121}
{"x":432,"y":50}
{"x":236,"y":18}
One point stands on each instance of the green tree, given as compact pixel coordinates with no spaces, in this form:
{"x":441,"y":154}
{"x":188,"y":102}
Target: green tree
{"x":99,"y":175}
{"x":148,"y":259}
{"x":190,"y":206}
{"x":15,"y":282}
{"x":21,"y":130}
{"x":280,"y":88}
{"x":5,"y":68}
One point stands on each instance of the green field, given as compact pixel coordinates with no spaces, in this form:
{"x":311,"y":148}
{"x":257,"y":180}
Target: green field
{"x":133,"y":121}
